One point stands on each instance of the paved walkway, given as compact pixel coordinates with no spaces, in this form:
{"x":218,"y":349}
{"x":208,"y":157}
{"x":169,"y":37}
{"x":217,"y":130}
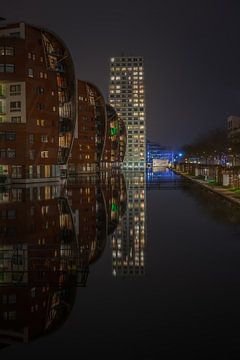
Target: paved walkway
{"x":223,"y":192}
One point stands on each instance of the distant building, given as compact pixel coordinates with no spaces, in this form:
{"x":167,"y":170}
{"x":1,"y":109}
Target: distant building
{"x":234,"y":129}
{"x":157,"y":155}
{"x":37,"y":103}
{"x":127,"y":96}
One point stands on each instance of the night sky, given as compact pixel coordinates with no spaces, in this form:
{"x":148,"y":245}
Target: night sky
{"x":191,"y":51}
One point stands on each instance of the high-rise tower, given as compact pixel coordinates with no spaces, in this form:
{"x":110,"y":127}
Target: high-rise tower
{"x":127,"y":96}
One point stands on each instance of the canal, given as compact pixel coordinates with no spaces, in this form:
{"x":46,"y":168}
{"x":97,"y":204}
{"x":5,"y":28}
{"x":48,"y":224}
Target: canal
{"x":132,"y":267}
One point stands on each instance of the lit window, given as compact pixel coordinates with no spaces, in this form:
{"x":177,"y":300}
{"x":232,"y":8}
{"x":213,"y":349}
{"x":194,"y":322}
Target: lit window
{"x":44,"y":154}
{"x":9,"y":51}
{"x":30,"y":72}
{"x":40,"y":122}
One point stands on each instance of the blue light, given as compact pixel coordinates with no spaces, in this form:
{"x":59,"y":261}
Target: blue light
{"x":180,"y":154}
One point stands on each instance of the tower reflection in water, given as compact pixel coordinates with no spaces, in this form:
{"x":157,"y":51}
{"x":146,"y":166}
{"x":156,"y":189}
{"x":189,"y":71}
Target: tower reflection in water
{"x":129,"y":239}
{"x":50,"y":235}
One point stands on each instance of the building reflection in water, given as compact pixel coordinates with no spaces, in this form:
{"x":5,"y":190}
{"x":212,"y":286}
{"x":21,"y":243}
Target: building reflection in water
{"x":87,"y":203}
{"x":129,"y":238}
{"x":51,"y":235}
{"x":38,"y":262}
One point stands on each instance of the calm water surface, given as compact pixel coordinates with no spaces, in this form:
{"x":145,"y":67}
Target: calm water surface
{"x":119,"y":266}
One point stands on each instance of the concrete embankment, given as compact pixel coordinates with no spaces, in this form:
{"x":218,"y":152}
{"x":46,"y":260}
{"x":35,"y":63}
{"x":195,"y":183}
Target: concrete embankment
{"x":218,"y":190}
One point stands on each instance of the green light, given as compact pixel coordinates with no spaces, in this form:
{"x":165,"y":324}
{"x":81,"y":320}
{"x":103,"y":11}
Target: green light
{"x":113,"y":131}
{"x":114,"y":207}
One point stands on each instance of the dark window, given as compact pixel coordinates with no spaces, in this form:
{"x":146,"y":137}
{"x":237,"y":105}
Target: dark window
{"x":11,"y":214}
{"x":40,"y":106}
{"x":2,"y":153}
{"x":11,"y":153}
{"x":15,"y":106}
{"x":16,"y":119}
{"x":15,"y":89}
{"x":31,"y":138}
{"x":40,"y":90}
{"x":15,"y":34}
{"x":10,"y":68}
{"x":10,"y":136}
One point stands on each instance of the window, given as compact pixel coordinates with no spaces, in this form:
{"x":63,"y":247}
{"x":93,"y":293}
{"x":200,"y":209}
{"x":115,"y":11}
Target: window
{"x":33,"y":292}
{"x":15,"y":34}
{"x":9,"y":68}
{"x":40,"y":122}
{"x":17,"y":171}
{"x":11,"y":315}
{"x":31,"y":138}
{"x":15,"y":89}
{"x":15,"y":106}
{"x":40,"y":106}
{"x":16,"y":119}
{"x":12,"y":299}
{"x":40,"y":90}
{"x":32,"y":154}
{"x":30,"y":72}
{"x":11,"y":153}
{"x":44,"y":154}
{"x":44,"y":138}
{"x":11,"y":214}
{"x":6,"y":50}
{"x":10,"y":136}
{"x":2,"y":153}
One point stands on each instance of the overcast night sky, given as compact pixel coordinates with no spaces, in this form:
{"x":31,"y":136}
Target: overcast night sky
{"x":191,"y":51}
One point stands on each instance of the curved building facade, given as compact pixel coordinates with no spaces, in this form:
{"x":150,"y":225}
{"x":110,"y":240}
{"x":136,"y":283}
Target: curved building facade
{"x":90,"y":131}
{"x":116,"y":140}
{"x":122,"y":140}
{"x":37,"y":103}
